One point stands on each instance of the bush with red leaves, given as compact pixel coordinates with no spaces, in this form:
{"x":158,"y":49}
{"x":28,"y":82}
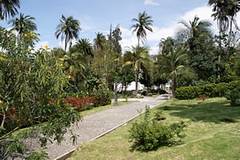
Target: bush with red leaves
{"x":80,"y":103}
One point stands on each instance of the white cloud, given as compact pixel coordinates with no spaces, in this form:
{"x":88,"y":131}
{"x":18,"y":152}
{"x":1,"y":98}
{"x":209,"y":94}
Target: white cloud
{"x":153,"y":38}
{"x":151,"y":2}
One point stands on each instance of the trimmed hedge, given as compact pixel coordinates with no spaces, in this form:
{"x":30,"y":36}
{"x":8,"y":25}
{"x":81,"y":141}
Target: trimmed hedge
{"x":209,"y":90}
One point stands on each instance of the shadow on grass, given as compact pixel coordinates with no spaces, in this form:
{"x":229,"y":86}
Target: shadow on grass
{"x":216,"y":112}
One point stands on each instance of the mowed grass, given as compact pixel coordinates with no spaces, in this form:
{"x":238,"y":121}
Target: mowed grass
{"x":103,"y":108}
{"x":213,"y":133}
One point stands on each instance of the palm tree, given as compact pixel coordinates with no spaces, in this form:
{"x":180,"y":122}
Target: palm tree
{"x":172,"y":62}
{"x":23,"y":24}
{"x":233,"y":9}
{"x":9,"y":8}
{"x":196,"y":27}
{"x":220,"y":9}
{"x":138,"y":58}
{"x":225,"y":12}
{"x":99,"y":41}
{"x":84,"y":48}
{"x":143,"y":23}
{"x":68,"y":30}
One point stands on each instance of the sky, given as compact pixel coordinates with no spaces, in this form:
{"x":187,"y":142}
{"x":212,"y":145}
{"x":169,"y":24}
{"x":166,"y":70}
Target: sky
{"x":97,"y":16}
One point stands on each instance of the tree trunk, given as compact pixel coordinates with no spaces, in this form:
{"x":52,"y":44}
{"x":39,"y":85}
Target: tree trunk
{"x":174,"y":86}
{"x":115,"y":94}
{"x":125,"y":89}
{"x":136,"y":80}
{"x":138,"y":42}
{"x":4,"y":116}
{"x":65,"y":45}
{"x":219,"y":56}
{"x":3,"y":120}
{"x":230,"y":33}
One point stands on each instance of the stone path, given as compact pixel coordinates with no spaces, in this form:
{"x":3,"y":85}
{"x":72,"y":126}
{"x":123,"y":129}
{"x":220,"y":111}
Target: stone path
{"x":98,"y":124}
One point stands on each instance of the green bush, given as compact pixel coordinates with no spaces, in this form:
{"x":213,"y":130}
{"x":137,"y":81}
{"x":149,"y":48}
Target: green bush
{"x":234,"y":96}
{"x":209,"y":90}
{"x":149,"y":134}
{"x":103,"y":95}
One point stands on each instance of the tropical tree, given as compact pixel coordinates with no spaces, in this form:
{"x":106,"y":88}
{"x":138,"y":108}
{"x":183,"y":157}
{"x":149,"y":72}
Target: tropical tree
{"x":9,"y":8}
{"x":172,"y":62}
{"x":142,"y":24}
{"x":201,"y":47}
{"x":84,"y":48}
{"x":225,"y":12}
{"x":25,"y":27}
{"x":23,"y":24}
{"x":220,"y":13}
{"x":68,"y":30}
{"x":233,"y":9}
{"x":99,"y":41}
{"x":138,"y":58}
{"x":196,"y":27}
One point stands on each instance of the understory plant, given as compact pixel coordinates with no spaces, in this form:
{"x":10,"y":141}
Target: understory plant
{"x":31,"y":93}
{"x":234,"y":96}
{"x":149,"y":134}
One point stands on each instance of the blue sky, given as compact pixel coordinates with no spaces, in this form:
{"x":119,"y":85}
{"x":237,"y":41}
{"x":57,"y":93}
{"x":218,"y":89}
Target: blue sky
{"x":97,"y":15}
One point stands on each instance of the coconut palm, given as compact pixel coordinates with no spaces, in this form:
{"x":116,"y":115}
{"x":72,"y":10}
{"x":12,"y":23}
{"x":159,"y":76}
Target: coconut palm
{"x":233,"y":9}
{"x":138,"y":58}
{"x":9,"y":8}
{"x":68,"y":30}
{"x":23,"y":24}
{"x":143,"y":23}
{"x":196,"y":27}
{"x":225,"y":12}
{"x":220,"y":13}
{"x":172,"y":62}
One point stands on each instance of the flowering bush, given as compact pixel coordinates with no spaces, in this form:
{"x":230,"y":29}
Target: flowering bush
{"x":80,"y":103}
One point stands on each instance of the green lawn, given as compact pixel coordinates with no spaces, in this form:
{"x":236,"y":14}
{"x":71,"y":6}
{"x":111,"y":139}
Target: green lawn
{"x":102,"y":108}
{"x":213,"y":133}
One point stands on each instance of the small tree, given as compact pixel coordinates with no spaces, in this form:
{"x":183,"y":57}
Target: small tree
{"x":172,"y":61}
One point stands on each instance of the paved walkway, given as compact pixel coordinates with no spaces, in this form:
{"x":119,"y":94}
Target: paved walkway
{"x":98,"y":124}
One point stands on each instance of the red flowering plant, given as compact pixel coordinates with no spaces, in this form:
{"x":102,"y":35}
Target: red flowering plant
{"x":80,"y":103}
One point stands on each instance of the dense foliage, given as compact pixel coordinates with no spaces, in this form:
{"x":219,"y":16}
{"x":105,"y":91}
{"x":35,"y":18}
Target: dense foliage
{"x":31,"y":93}
{"x":41,"y":89}
{"x":150,"y":134}
{"x":209,"y":90}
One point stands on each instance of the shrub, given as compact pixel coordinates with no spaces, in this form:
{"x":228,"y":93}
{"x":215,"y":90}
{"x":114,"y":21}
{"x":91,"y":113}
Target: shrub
{"x":149,"y":134}
{"x":208,"y":90}
{"x":103,"y":96}
{"x":158,"y":116}
{"x":80,"y":103}
{"x":234,"y":96}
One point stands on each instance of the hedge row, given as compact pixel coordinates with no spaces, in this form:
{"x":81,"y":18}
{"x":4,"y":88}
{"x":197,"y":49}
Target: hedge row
{"x":209,"y":90}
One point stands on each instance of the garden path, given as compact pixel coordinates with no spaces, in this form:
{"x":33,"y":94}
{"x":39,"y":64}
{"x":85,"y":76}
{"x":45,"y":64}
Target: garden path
{"x":98,"y":124}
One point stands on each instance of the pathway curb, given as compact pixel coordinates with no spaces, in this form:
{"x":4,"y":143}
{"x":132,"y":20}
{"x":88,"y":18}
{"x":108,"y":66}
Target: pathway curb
{"x":69,"y":153}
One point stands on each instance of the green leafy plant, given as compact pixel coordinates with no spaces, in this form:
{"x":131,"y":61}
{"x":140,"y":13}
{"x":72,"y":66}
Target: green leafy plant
{"x":209,"y":90}
{"x":234,"y":96}
{"x":148,"y":134}
{"x":28,"y":84}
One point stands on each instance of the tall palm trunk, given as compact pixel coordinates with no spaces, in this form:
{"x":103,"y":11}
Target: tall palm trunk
{"x":230,"y":36}
{"x":65,"y":45}
{"x":221,"y":50}
{"x":138,"y":42}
